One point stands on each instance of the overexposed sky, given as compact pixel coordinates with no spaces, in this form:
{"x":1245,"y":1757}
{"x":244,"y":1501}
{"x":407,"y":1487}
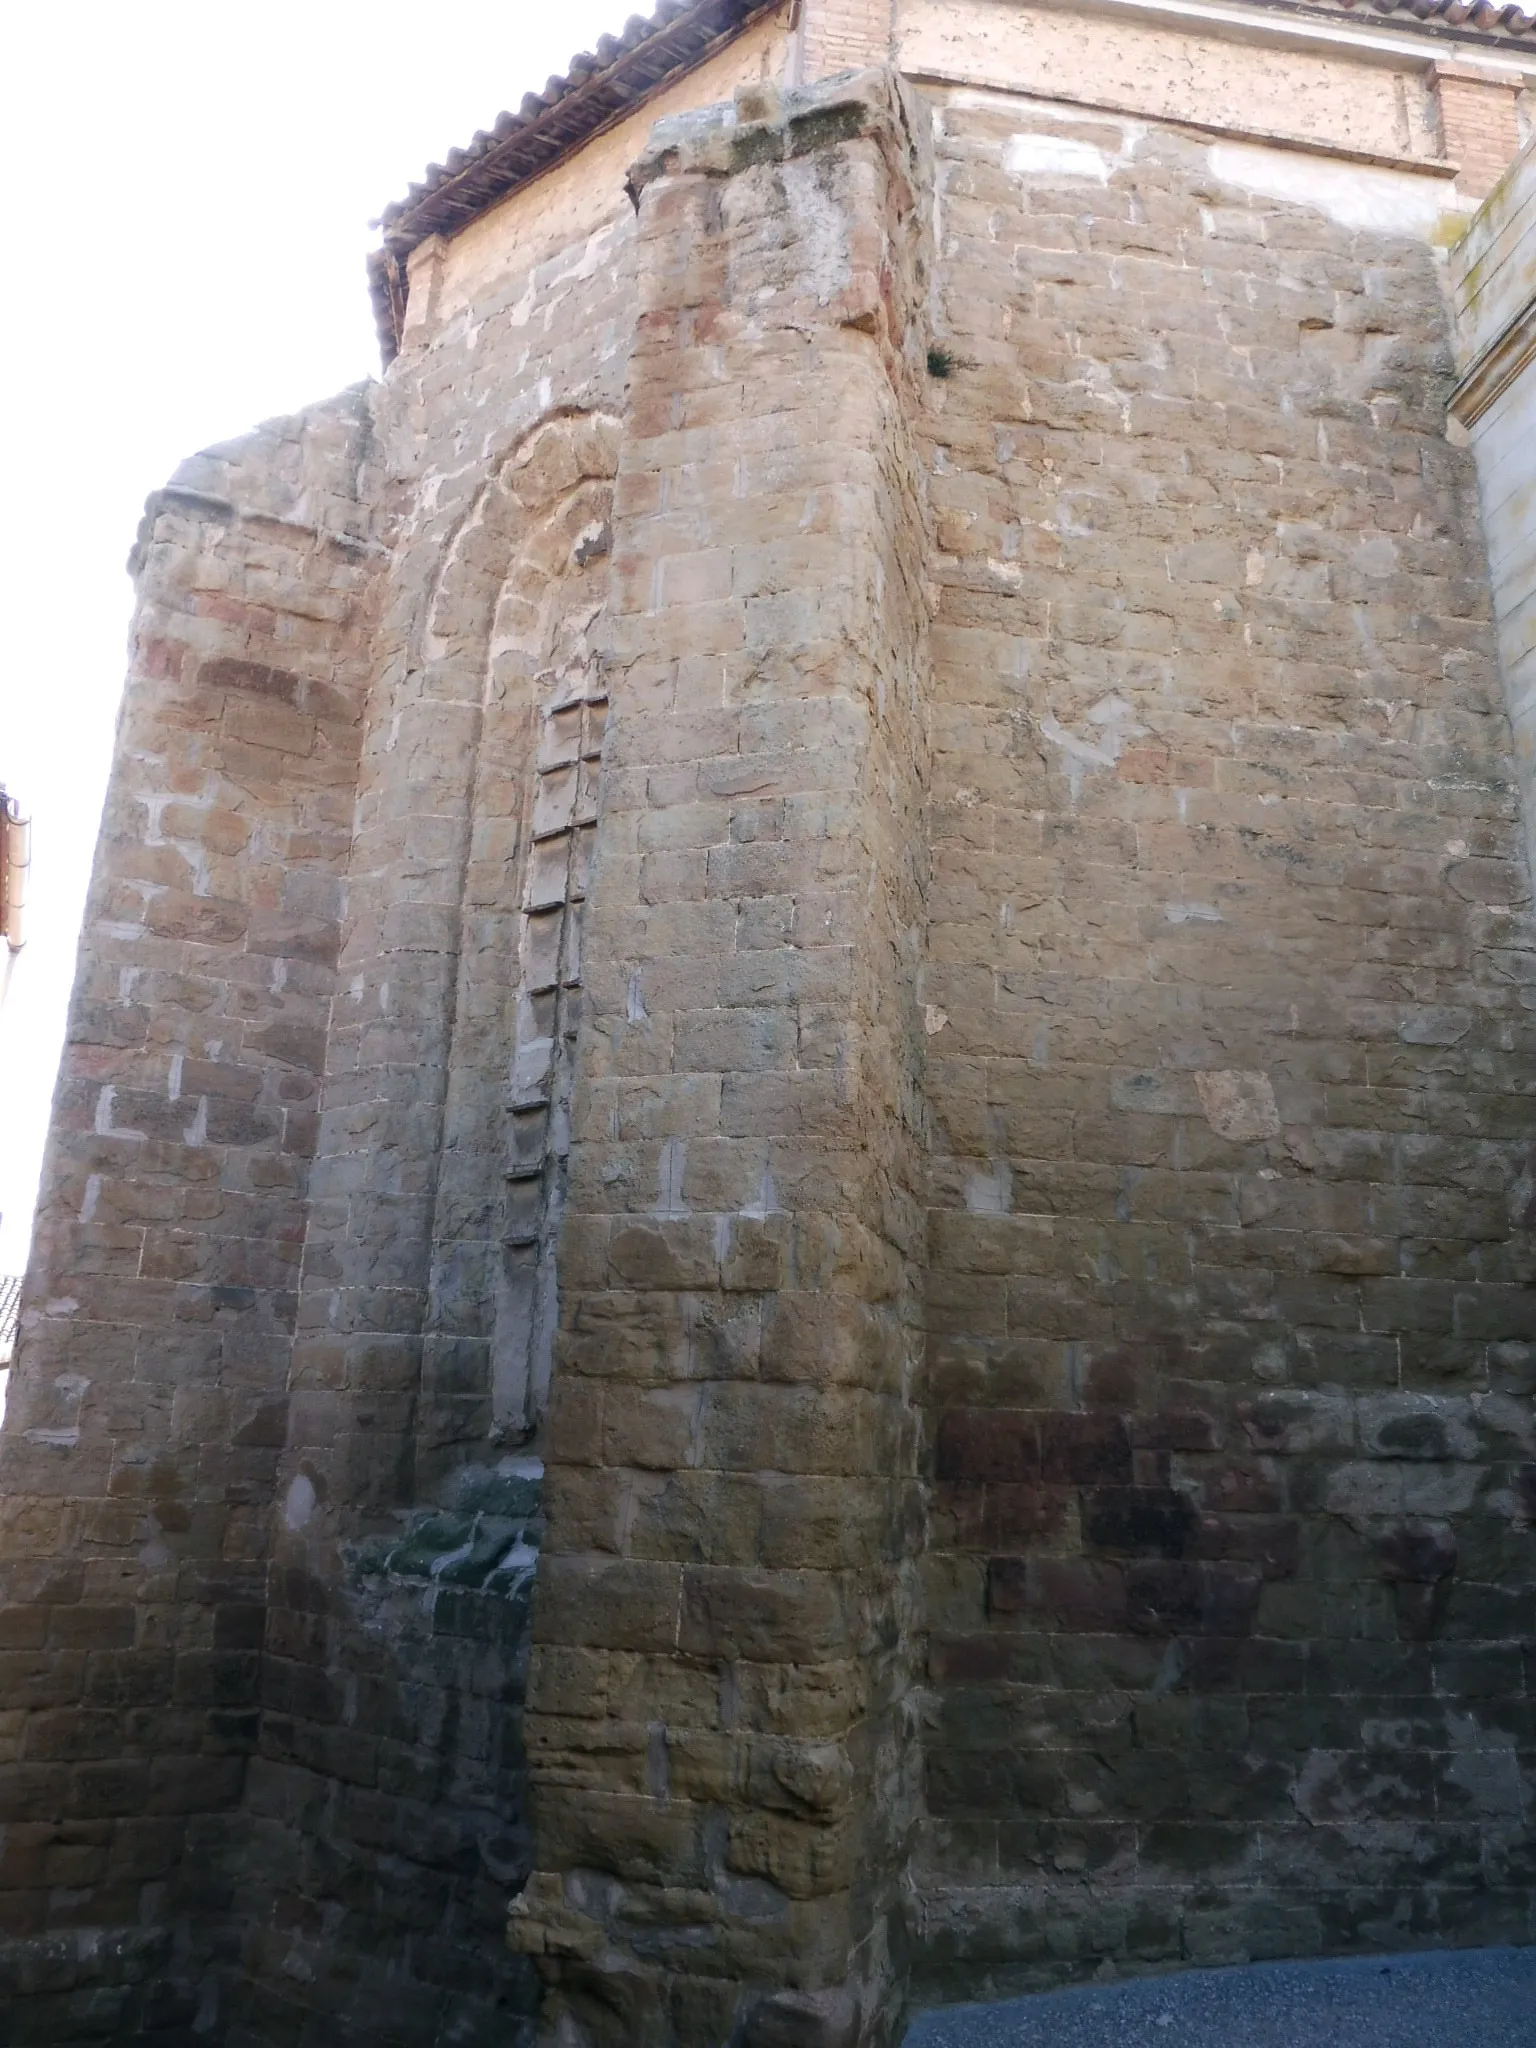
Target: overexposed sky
{"x":191,"y":184}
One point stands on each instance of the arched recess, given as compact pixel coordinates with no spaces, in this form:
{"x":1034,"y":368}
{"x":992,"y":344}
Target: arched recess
{"x":522,"y":592}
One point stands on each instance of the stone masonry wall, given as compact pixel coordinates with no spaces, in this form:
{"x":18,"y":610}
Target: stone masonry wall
{"x":882,"y":750}
{"x":148,"y":1404}
{"x":717,"y":1715}
{"x":387,"y":1794}
{"x":1230,"y":1313}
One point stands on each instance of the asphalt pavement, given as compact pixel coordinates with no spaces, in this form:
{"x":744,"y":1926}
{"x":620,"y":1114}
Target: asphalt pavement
{"x":1448,"y":1998}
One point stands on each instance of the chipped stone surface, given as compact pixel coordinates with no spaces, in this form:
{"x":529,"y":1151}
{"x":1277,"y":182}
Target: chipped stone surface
{"x":1238,"y":1106}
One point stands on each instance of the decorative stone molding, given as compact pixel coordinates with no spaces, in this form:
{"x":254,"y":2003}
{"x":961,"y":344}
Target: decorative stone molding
{"x":1496,"y":369}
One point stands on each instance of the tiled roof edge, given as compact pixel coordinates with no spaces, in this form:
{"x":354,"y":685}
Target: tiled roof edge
{"x":1476,"y":24}
{"x":599,"y":88}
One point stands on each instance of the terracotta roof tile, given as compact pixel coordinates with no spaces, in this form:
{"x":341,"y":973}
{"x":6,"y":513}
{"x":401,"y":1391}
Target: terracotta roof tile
{"x":1479,"y":22}
{"x":599,"y":88}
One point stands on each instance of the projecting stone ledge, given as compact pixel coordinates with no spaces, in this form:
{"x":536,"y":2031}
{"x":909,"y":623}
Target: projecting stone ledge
{"x":767,"y":125}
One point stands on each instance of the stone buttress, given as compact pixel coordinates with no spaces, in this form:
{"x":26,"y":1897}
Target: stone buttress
{"x":718,"y":1725}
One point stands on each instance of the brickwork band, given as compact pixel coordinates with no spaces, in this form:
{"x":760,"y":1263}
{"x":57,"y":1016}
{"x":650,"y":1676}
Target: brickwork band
{"x":1479,"y":125}
{"x":844,"y":35}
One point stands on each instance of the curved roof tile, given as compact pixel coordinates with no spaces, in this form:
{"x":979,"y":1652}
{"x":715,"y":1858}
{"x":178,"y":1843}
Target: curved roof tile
{"x":1478,"y":20}
{"x":601,"y":86}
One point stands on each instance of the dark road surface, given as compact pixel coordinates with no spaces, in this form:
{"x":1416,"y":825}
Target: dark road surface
{"x":1469,"y":1998}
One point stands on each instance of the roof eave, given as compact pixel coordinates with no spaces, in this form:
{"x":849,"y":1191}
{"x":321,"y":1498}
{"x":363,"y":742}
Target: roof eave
{"x":600,"y":90}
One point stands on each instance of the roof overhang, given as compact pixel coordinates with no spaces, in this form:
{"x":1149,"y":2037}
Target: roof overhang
{"x":604,"y":86}
{"x":601,"y":88}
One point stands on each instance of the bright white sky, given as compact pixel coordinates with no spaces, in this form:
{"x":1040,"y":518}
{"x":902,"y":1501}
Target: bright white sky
{"x":191,"y":184}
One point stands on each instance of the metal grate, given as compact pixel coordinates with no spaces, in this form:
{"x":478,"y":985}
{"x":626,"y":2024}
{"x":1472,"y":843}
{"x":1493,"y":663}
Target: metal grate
{"x":10,"y":1306}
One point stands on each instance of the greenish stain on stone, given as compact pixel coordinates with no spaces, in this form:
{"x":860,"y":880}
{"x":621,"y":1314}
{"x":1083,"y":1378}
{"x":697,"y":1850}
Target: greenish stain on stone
{"x":491,"y":1542}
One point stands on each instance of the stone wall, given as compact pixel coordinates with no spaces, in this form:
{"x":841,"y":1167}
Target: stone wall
{"x":149,"y":1400}
{"x":881,"y":748}
{"x":388,"y":1789}
{"x":1229,"y":1310}
{"x":718,"y":1711}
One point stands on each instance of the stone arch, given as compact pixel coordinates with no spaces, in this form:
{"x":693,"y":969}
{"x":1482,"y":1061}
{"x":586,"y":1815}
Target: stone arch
{"x":520,"y":598}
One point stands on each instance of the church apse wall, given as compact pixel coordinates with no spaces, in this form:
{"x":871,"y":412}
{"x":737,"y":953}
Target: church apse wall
{"x":1229,"y":1304}
{"x":789,"y":1215}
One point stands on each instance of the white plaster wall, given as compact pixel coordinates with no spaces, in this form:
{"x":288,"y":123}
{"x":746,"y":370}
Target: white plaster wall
{"x":1493,"y":281}
{"x":1390,"y":202}
{"x":1493,"y":269}
{"x":1505,"y":443}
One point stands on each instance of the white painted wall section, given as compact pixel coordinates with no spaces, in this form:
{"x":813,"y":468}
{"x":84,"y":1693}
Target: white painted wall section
{"x":1493,"y":281}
